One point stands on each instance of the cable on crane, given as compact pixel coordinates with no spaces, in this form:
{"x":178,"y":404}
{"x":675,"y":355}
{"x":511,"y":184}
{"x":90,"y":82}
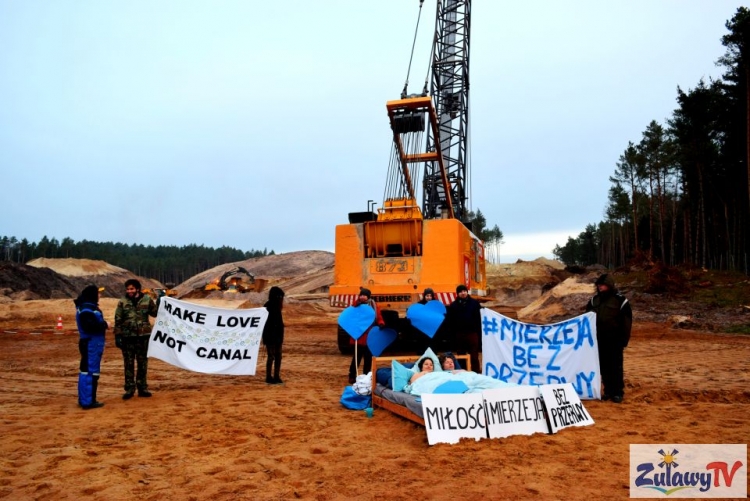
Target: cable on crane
{"x":408,"y":71}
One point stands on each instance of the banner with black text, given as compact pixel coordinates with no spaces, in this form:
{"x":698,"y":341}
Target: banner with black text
{"x":205,"y":339}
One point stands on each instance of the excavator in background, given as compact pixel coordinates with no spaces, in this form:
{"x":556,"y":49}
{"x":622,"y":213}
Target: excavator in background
{"x":406,"y":247}
{"x":156,"y":293}
{"x":237,"y":279}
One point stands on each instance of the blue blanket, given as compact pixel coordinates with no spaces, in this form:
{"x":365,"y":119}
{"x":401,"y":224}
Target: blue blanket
{"x":476,"y":382}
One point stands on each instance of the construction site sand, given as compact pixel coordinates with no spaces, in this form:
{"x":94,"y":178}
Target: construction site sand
{"x":209,"y":437}
{"x":76,"y":267}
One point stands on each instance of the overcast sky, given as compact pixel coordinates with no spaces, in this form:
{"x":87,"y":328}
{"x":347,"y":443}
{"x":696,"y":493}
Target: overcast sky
{"x":263,"y":124}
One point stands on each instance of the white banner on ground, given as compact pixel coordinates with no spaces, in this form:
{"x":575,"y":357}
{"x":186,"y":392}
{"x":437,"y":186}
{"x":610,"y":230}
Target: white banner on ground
{"x":518,"y":410}
{"x":208,"y":340}
{"x":502,"y":412}
{"x":529,"y":354}
{"x":564,"y":408}
{"x":449,"y":417}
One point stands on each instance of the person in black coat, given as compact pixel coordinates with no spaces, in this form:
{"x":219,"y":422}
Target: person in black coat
{"x":273,"y":334}
{"x":427,"y":296}
{"x":614,"y":320}
{"x":464,"y":319}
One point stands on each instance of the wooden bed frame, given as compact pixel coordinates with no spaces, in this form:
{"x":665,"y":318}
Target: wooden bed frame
{"x":401,"y":410}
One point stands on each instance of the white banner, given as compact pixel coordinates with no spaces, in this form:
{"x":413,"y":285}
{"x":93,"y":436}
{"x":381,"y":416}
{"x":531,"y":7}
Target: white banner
{"x":529,"y":354}
{"x":517,"y":410}
{"x":449,"y":417}
{"x":564,"y":408}
{"x":209,"y":340}
{"x":502,"y":412}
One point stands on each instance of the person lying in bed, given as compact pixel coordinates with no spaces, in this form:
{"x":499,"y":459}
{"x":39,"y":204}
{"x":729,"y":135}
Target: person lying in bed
{"x":448,"y":362}
{"x":426,"y":366}
{"x":427,"y":381}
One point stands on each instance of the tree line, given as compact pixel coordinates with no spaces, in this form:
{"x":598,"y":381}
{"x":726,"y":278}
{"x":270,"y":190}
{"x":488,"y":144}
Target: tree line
{"x":492,"y":237}
{"x":165,"y":263}
{"x":681,"y":194}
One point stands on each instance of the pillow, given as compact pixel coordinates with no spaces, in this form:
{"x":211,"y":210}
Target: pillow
{"x":400,"y":375}
{"x":383,"y":376}
{"x":429,"y":354}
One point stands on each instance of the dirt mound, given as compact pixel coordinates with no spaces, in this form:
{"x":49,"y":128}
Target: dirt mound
{"x":552,"y":263}
{"x":564,"y":301}
{"x":63,"y":278}
{"x":295,"y":272}
{"x":523,"y":282}
{"x":20,"y":282}
{"x":76,"y":267}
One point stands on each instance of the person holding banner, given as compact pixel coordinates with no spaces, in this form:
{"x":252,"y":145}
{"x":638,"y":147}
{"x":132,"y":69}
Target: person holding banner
{"x":361,"y":350}
{"x":273,"y":334}
{"x":464,"y":320}
{"x":614,"y":320}
{"x":132,"y":332}
{"x":91,"y":330}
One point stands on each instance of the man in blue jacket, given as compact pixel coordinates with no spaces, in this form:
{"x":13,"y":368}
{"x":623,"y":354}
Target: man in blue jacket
{"x":91,"y":330}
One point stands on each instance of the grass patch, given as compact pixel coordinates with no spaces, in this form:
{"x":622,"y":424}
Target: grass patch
{"x":738,"y":329}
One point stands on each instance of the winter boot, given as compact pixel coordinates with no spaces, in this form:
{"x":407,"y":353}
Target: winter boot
{"x":94,"y":387}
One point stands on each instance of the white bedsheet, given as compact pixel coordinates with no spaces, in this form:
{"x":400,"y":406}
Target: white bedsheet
{"x":476,"y":382}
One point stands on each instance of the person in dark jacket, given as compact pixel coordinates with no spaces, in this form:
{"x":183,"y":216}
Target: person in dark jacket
{"x":614,"y":320}
{"x":464,"y":319}
{"x":361,"y":350}
{"x":423,"y":341}
{"x":427,"y":296}
{"x":91,"y":330}
{"x":273,"y":334}
{"x":132,"y":333}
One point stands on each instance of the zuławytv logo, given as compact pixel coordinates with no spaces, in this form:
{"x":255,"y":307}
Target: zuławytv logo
{"x":688,"y":471}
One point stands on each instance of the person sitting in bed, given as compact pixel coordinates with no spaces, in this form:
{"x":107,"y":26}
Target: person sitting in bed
{"x":425,"y":367}
{"x":448,"y":362}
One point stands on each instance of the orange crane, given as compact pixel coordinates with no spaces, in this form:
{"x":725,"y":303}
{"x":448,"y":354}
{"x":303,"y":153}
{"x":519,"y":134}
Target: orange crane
{"x":404,"y":247}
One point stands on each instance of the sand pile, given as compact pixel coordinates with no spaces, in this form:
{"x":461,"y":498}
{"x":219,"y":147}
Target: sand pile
{"x":76,"y":267}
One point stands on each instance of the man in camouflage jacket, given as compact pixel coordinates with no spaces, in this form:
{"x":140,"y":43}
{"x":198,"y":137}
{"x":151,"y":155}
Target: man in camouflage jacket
{"x":132,"y":332}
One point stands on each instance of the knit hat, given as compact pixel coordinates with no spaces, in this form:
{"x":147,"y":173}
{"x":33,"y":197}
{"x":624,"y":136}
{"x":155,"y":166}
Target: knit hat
{"x":365,"y":292}
{"x":605,"y":279}
{"x":275,"y":294}
{"x":460,"y":288}
{"x":428,"y":291}
{"x":88,"y":295}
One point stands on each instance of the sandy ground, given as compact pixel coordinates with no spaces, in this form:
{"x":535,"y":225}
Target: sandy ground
{"x":203,"y":437}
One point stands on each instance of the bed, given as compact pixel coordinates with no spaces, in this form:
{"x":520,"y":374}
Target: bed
{"x":400,"y":403}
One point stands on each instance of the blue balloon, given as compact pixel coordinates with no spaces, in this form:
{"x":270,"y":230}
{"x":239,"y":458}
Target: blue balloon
{"x":427,"y":317}
{"x":355,"y":320}
{"x":379,"y":339}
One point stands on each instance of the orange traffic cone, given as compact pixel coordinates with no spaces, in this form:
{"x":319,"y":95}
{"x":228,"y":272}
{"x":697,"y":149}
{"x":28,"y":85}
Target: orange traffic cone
{"x":59,"y":323}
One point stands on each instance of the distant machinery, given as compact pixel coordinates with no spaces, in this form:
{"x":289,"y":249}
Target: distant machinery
{"x":238,"y":279}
